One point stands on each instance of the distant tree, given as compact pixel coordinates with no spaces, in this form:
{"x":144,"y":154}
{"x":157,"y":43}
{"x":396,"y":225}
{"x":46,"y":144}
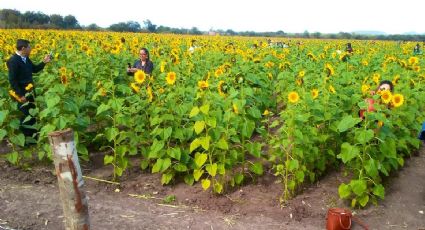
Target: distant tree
{"x":149,"y":26}
{"x":358,"y":36}
{"x":230,"y":32}
{"x":118,"y":27}
{"x":163,"y":29}
{"x":57,"y":21}
{"x":280,"y":33}
{"x":306,"y":34}
{"x":10,"y":18}
{"x":130,"y":26}
{"x":344,"y":35}
{"x":333,"y":36}
{"x":37,"y":18}
{"x":177,"y":31}
{"x":93,"y":27}
{"x":14,"y":19}
{"x":316,"y":35}
{"x":134,"y":26}
{"x":70,"y":22}
{"x":195,"y":30}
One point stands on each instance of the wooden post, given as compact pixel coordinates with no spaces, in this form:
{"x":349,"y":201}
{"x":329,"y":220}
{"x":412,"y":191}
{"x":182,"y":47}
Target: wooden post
{"x":70,"y":180}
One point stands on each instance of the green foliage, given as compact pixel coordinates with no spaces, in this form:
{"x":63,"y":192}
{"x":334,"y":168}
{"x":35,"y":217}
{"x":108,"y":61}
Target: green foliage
{"x":227,"y":117}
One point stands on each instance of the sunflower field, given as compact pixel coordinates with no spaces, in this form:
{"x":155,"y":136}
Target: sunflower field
{"x":225,"y":111}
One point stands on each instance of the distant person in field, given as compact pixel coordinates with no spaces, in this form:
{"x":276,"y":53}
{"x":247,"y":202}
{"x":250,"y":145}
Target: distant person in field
{"x":383,"y":85}
{"x":143,"y":63}
{"x":349,"y":49}
{"x":22,"y":84}
{"x":417,"y":49}
{"x":192,"y":46}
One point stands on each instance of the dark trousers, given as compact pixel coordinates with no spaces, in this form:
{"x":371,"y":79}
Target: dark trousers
{"x":27,"y":123}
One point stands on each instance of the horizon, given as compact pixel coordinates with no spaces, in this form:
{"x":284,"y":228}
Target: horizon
{"x":268,"y":16}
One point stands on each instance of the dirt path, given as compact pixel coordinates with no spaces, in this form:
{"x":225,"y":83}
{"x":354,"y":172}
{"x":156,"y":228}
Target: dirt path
{"x":29,"y":200}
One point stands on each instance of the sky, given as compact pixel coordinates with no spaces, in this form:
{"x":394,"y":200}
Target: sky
{"x":295,"y":16}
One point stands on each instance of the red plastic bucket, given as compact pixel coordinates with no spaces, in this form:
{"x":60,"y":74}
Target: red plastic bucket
{"x":338,"y":219}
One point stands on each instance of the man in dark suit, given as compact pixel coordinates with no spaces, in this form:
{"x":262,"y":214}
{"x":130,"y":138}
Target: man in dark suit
{"x":21,"y":69}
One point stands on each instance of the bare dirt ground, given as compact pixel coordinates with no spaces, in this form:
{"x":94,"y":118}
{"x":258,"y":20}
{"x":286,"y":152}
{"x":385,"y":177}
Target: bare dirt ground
{"x":30,"y":200}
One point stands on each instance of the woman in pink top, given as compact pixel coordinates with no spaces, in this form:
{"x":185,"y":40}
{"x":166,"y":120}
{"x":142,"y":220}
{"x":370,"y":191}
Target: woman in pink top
{"x":384,"y":85}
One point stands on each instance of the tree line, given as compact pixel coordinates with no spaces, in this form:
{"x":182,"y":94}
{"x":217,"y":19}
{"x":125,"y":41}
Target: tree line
{"x":10,"y":18}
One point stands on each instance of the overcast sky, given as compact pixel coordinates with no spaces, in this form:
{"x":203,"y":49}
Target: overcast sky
{"x":326,"y":16}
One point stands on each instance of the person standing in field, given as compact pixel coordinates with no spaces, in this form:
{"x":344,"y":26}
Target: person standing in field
{"x":384,"y":85}
{"x":21,"y":81}
{"x":417,"y":50}
{"x":349,"y":49}
{"x":143,"y":63}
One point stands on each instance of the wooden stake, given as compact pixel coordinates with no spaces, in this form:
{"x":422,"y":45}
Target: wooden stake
{"x":70,"y":180}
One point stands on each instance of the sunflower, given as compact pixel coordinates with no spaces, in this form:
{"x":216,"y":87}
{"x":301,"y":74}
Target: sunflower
{"x":203,"y":84}
{"x":115,"y":49}
{"x":270,"y":76}
{"x":64,"y":79}
{"x":235,"y":108}
{"x":29,"y":87}
{"x":150,"y":94}
{"x":171,"y":78}
{"x":218,"y":72}
{"x":299,"y":81}
{"x":174,"y":51}
{"x":395,"y":80}
{"x":256,"y":60}
{"x":84,"y":48}
{"x":103,"y":91}
{"x":386,"y":96}
{"x":329,"y":69}
{"x":365,"y":88}
{"x":226,"y":66}
{"x":416,"y":68}
{"x":284,"y":65}
{"x":391,"y":59}
{"x":222,"y":88}
{"x":175,"y":59}
{"x":135,"y":87}
{"x":331,"y":89}
{"x":89,"y":53}
{"x":311,"y":56}
{"x":397,"y":100}
{"x":301,"y":73}
{"x":365,"y":62}
{"x":315,"y":93}
{"x":376,"y":77}
{"x":14,"y":95}
{"x":62,"y":70}
{"x":69,"y":47}
{"x":266,"y":112}
{"x":413,"y":60}
{"x":162,"y":68}
{"x":269,"y":64}
{"x":293,"y":97}
{"x":343,"y":57}
{"x":402,"y":63}
{"x":139,"y":76}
